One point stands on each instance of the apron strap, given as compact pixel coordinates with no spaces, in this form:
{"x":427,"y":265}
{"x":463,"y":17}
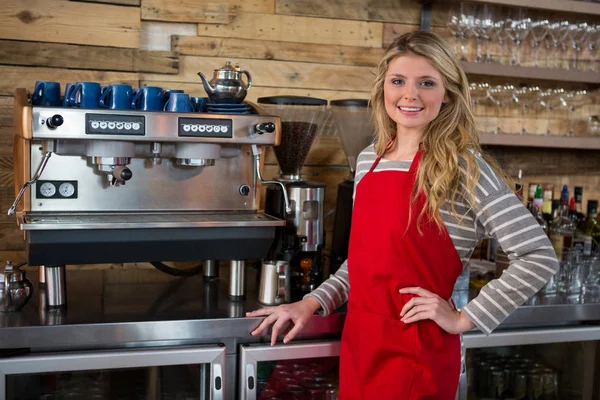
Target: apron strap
{"x":387,"y":147}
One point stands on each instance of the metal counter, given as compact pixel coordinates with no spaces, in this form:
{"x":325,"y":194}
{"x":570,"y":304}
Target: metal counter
{"x":115,"y":308}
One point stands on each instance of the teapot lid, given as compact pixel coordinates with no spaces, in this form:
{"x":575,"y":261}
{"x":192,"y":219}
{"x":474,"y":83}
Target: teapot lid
{"x":12,"y":273}
{"x":227,"y":67}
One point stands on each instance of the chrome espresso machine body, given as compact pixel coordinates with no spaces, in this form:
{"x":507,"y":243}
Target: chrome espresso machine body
{"x":139,"y":186}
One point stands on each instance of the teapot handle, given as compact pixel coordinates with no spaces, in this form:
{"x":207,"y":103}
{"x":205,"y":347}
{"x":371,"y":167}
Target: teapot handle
{"x":249,"y":78}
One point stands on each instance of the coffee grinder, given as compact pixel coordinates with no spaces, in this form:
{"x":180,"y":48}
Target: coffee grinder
{"x":301,"y":241}
{"x":351,"y":119}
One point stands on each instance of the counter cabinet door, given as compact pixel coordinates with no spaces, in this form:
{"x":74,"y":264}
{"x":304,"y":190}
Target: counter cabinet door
{"x":195,"y":372}
{"x":291,"y":370}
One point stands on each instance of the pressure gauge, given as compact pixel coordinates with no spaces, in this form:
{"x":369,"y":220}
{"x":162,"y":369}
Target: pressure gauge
{"x":66,"y":189}
{"x":48,"y":189}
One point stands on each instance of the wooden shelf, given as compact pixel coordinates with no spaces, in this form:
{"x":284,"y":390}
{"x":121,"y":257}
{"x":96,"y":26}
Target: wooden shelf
{"x":581,"y":7}
{"x":549,"y":74}
{"x":556,"y":142}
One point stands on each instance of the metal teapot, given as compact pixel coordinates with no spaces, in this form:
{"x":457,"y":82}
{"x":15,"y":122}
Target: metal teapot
{"x":226,"y":85}
{"x":15,"y":288}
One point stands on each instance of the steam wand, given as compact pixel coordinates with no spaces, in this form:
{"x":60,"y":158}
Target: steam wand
{"x":256,"y":152}
{"x":39,"y":171}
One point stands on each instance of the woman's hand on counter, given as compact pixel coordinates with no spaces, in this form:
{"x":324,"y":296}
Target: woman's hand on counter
{"x":299,"y":313}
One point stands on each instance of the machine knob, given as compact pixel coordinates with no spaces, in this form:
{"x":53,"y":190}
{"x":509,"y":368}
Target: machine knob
{"x":55,"y":121}
{"x":126,"y":174}
{"x":244,"y":190}
{"x":265,"y":127}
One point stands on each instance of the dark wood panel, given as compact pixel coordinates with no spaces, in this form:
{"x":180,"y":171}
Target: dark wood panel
{"x":135,"y":3}
{"x":540,"y":162}
{"x":11,"y":237}
{"x":398,"y":11}
{"x":38,"y":54}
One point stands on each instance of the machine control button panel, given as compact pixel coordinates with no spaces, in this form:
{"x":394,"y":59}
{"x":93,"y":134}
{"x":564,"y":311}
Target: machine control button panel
{"x":56,"y":190}
{"x":205,"y":127}
{"x":112,"y":124}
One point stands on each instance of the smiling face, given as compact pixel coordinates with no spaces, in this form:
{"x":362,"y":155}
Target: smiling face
{"x":413,"y":93}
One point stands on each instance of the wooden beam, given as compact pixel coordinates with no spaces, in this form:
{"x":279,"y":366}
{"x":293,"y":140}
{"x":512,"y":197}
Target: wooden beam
{"x":298,"y":29}
{"x":25,"y":77}
{"x":277,"y":73}
{"x":196,"y":89}
{"x":276,"y":50}
{"x":134,"y":3}
{"x":397,"y":11}
{"x":202,"y":11}
{"x":70,"y":22}
{"x":392,"y":31}
{"x":156,"y":36}
{"x":58,"y":55}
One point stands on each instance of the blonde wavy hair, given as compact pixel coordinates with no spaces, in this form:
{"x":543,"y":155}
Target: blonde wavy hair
{"x":450,"y":140}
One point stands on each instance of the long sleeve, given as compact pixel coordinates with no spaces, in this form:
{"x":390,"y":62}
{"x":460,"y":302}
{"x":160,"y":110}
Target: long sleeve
{"x":501,"y":215}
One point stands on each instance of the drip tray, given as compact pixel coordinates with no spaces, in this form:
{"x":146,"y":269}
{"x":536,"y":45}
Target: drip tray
{"x":71,"y":221}
{"x":86,"y":238}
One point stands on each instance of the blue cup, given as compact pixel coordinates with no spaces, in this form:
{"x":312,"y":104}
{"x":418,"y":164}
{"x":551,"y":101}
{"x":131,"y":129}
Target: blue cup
{"x":85,"y":95}
{"x":199,"y":103}
{"x":167,"y":93}
{"x":148,"y":98}
{"x":179,"y":102}
{"x":116,"y":97}
{"x":46,"y":93}
{"x":68,"y":91}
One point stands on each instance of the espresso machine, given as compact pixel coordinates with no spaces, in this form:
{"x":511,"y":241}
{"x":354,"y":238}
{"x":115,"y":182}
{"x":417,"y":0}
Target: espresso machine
{"x":301,"y":241}
{"x":351,"y":118}
{"x":140,"y":186}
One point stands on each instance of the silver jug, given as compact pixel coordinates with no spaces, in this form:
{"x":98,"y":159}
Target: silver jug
{"x":275,"y":282}
{"x":15,"y":288}
{"x":227,"y":85}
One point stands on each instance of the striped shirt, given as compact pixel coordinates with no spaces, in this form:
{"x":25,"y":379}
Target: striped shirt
{"x":497,"y":213}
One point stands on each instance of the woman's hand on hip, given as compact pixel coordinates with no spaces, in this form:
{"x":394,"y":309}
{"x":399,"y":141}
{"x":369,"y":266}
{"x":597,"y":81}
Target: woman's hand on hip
{"x":427,"y":305}
{"x":298,"y":313}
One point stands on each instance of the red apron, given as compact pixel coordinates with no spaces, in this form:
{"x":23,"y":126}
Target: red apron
{"x":382,"y":357}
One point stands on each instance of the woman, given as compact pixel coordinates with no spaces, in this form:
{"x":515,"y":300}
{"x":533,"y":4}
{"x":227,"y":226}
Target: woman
{"x":424,"y":196}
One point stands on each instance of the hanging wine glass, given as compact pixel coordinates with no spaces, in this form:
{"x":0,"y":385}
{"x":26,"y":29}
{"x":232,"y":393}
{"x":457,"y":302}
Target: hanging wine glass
{"x":593,"y":41}
{"x":500,"y":34}
{"x":487,"y":30}
{"x":539,"y":30}
{"x":558,"y":31}
{"x":577,"y":33}
{"x":453,"y":23}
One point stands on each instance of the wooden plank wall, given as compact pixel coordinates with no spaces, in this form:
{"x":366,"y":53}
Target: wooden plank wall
{"x":325,"y":49}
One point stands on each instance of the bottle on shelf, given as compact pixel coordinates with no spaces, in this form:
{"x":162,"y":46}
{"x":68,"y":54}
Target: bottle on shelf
{"x":562,"y":230}
{"x":519,"y":186}
{"x":536,"y":209}
{"x":579,"y":204}
{"x":548,"y":195}
{"x":591,"y":229}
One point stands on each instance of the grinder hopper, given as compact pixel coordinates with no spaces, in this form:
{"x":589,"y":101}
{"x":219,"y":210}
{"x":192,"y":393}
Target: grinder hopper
{"x":351,"y":118}
{"x":301,"y":119}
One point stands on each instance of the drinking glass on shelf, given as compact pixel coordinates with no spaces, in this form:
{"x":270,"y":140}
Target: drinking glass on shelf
{"x":509,"y":109}
{"x":539,"y":30}
{"x":517,"y":30}
{"x":483,"y":107}
{"x":558,"y":31}
{"x":591,"y":286}
{"x":593,"y":41}
{"x":453,"y":24}
{"x":501,"y":37}
{"x":487,"y":30}
{"x":572,"y":100}
{"x":531,"y":109}
{"x":577,"y":33}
